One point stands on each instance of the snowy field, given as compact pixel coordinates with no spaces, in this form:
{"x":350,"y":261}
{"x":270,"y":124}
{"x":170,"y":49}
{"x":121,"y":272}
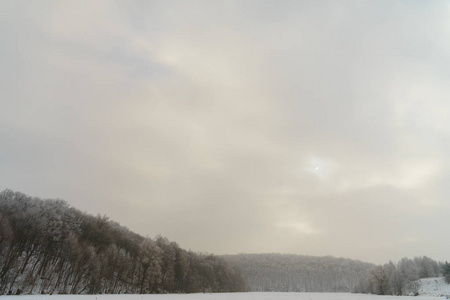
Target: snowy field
{"x":225,"y":296}
{"x":431,"y":289}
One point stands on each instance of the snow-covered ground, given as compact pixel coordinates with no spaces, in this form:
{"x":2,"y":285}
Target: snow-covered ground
{"x":431,"y":289}
{"x":434,"y":287}
{"x":232,"y":296}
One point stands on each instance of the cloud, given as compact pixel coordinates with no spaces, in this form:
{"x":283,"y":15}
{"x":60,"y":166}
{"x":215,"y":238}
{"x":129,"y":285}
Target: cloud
{"x":237,"y":126}
{"x":300,"y":227}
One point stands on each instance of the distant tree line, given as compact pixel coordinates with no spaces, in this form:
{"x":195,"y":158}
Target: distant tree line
{"x":400,"y":278}
{"x":48,"y":247}
{"x":299,"y":273}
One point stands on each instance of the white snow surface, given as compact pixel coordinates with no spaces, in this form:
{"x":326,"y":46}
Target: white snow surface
{"x":434,"y":287}
{"x":224,"y":296}
{"x":431,"y":289}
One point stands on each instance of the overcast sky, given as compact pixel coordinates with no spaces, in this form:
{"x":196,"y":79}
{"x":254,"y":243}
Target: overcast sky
{"x":307,"y":127}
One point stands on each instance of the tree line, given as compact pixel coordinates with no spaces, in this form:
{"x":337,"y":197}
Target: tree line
{"x":401,"y":278}
{"x":299,"y":273}
{"x":48,"y":247}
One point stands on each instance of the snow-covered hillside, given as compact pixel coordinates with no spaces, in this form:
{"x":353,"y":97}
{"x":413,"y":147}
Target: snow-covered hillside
{"x":225,"y":296}
{"x":434,"y":287}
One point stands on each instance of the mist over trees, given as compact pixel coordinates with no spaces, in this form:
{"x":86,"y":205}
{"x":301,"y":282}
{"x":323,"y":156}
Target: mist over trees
{"x":399,"y":278}
{"x":46,"y":246}
{"x":298,"y":273}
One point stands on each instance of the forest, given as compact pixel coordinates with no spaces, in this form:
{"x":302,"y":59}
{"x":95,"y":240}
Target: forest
{"x":299,"y":273}
{"x":47,"y":246}
{"x":401,"y":278}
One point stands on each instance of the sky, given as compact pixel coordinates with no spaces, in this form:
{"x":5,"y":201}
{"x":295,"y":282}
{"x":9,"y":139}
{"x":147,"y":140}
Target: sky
{"x":305,"y":127}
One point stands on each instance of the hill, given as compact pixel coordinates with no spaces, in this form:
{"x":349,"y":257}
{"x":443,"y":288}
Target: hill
{"x":48,"y":247}
{"x":436,"y":287}
{"x":299,"y":273}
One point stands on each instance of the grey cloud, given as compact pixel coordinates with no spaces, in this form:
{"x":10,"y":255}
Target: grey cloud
{"x":306,"y":127}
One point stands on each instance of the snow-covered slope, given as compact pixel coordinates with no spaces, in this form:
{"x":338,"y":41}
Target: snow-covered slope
{"x":436,"y":287}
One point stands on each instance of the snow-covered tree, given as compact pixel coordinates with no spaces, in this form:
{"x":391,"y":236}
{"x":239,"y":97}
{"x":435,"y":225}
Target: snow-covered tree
{"x":46,"y":246}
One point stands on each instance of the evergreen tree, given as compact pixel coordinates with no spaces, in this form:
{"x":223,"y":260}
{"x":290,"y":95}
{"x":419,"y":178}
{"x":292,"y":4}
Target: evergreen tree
{"x":446,"y":271}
